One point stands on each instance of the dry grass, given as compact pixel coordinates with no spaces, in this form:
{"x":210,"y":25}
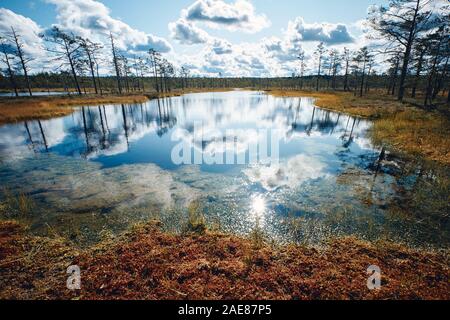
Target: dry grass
{"x":401,"y":126}
{"x":371,"y":106}
{"x":13,"y":110}
{"x":415,"y":131}
{"x":146,"y":263}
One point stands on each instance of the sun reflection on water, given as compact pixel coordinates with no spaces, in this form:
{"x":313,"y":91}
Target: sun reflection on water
{"x":258,"y":207}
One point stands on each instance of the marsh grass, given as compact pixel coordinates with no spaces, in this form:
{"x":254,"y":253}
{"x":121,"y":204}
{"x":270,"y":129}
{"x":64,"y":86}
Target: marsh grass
{"x":20,"y":109}
{"x":16,"y":205}
{"x":400,"y":126}
{"x":196,"y":222}
{"x":257,"y":236}
{"x":14,"y":110}
{"x":417,"y":132}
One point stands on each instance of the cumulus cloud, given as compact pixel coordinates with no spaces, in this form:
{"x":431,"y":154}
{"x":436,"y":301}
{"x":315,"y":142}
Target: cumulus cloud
{"x":284,"y":50}
{"x":239,"y":15}
{"x":92,"y":19}
{"x":329,"y":33}
{"x":154,"y":42}
{"x":220,"y":56}
{"x":27,"y":29}
{"x":272,"y":56}
{"x":220,"y":46}
{"x":187,"y":33}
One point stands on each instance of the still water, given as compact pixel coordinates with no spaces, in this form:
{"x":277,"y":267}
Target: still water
{"x":35,"y":93}
{"x":103,"y":168}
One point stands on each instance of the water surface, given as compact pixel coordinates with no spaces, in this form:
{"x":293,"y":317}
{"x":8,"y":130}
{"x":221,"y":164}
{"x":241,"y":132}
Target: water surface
{"x":103,"y":168}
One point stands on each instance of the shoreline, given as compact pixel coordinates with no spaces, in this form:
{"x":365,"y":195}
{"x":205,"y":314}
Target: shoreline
{"x":147,"y":263}
{"x":13,"y":110}
{"x":398,"y":126}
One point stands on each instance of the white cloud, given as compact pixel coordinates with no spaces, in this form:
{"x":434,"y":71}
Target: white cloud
{"x":270,"y":56}
{"x":187,"y":33}
{"x":220,"y":46}
{"x":283,"y":50}
{"x":329,"y":33}
{"x":92,"y":19}
{"x":237,"y":16}
{"x":27,"y":29}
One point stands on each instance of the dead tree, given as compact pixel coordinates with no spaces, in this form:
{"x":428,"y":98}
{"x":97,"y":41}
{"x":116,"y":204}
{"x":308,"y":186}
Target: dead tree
{"x":90,"y":50}
{"x":347,"y":58}
{"x":8,"y":60}
{"x":155,"y":58}
{"x":319,"y":53}
{"x":116,"y":64}
{"x":22,"y":58}
{"x":66,"y":48}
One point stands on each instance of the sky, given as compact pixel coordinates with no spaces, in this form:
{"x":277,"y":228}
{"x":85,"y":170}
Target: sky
{"x":209,"y":37}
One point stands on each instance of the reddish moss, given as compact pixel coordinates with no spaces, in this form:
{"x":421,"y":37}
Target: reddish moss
{"x":149,"y":264}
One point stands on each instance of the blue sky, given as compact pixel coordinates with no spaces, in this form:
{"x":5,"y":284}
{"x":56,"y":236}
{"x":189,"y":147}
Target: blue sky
{"x":277,"y":27}
{"x":154,"y":16}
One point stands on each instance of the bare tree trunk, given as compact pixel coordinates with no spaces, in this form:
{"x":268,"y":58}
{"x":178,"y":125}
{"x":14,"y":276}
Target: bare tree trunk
{"x":22,"y":60}
{"x":91,"y":66}
{"x":368,"y":78}
{"x":418,"y":71}
{"x":155,"y":71}
{"x":72,"y":67}
{"x":394,"y":77}
{"x":407,"y":54}
{"x":116,"y":64}
{"x":429,"y":90}
{"x":440,"y":80}
{"x":346,"y":75}
{"x":98,"y":79}
{"x":318,"y":73}
{"x":11,"y":74}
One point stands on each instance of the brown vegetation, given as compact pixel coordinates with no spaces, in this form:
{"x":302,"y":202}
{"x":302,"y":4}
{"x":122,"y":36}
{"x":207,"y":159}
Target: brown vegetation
{"x":20,"y":109}
{"x":146,"y":263}
{"x":25,"y":108}
{"x":401,"y":126}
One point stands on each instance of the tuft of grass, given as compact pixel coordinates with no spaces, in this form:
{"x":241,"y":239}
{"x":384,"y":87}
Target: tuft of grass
{"x":257,"y":236}
{"x":19,"y":205}
{"x":196,"y":222}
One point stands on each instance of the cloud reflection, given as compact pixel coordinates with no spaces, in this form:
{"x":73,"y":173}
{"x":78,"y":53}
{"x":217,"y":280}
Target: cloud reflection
{"x":290,"y":174}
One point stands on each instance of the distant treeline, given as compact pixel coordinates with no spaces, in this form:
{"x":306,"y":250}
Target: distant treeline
{"x":108,"y":84}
